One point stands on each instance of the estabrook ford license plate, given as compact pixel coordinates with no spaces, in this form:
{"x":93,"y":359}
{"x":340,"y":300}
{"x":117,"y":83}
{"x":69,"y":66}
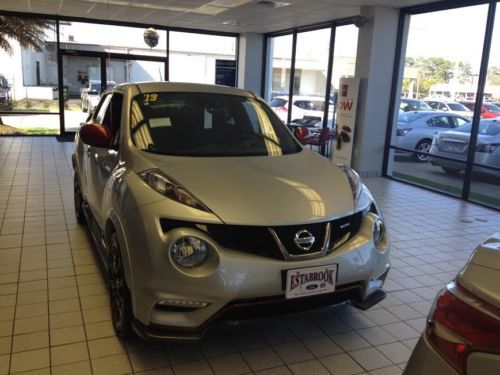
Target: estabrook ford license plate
{"x":310,"y":281}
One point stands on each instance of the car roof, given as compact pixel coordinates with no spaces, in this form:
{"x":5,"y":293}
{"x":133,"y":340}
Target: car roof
{"x":434,"y":113}
{"x":442,"y":101}
{"x":146,"y":87}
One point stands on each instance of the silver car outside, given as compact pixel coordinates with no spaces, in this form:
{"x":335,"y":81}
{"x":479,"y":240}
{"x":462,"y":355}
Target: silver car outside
{"x":139,"y":231}
{"x":455,"y":145}
{"x":416,"y":130}
{"x":472,"y":304}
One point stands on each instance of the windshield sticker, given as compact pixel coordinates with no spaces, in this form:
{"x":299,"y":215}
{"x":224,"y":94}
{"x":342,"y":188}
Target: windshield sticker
{"x":150,"y":98}
{"x":159,"y":122}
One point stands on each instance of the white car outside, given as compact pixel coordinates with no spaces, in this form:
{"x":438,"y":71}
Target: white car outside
{"x":450,"y":107}
{"x":303,"y":106}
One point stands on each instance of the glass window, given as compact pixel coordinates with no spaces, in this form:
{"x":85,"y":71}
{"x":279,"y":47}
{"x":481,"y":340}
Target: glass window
{"x":28,"y":77}
{"x":344,"y":57}
{"x":279,"y":83}
{"x":457,"y":107}
{"x":457,"y":121}
{"x":439,"y":122}
{"x":311,"y":64}
{"x":484,"y":185}
{"x":201,"y":58}
{"x":110,"y":38}
{"x":439,"y":72}
{"x":200,"y":124}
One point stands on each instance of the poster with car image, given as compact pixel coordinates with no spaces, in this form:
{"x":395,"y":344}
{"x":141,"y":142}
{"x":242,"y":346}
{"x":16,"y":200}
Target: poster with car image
{"x":347,"y":104}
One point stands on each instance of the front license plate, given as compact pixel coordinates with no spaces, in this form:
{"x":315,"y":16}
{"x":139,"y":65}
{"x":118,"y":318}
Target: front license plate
{"x":310,"y":281}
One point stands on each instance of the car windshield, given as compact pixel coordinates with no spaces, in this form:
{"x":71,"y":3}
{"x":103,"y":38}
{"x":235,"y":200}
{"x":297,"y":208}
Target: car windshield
{"x":95,"y":87}
{"x":491,"y":127}
{"x":457,"y":107}
{"x":407,"y":117}
{"x":203,"y":124}
{"x":414,"y":105}
{"x":492,"y":108}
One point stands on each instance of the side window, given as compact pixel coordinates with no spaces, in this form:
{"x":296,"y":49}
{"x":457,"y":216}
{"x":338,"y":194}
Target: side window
{"x":433,"y":105}
{"x":457,"y":121}
{"x":301,"y":104}
{"x":101,"y":109}
{"x":438,"y":122}
{"x":443,"y":107}
{"x":110,"y":113}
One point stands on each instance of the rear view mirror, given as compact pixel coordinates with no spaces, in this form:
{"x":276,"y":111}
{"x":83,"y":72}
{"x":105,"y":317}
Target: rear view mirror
{"x":96,"y":135}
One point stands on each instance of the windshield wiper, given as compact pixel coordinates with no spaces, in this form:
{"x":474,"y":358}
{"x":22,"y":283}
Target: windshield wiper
{"x":263,"y":136}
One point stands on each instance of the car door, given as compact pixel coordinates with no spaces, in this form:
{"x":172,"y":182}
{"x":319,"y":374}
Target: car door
{"x":101,"y":162}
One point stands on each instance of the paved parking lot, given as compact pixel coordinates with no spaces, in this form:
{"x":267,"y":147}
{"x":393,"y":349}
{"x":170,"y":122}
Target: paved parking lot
{"x":54,"y":310}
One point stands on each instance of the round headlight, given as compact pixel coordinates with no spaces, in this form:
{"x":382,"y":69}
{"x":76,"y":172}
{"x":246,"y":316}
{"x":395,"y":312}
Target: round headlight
{"x":189,"y":252}
{"x":378,"y":232}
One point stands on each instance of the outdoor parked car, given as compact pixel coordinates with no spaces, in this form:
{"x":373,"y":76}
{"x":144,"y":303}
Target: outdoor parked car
{"x":451,"y":107}
{"x":410,"y":105}
{"x":303,"y":106}
{"x":488,"y":110}
{"x":416,"y":130}
{"x":5,"y":97}
{"x":90,"y":96}
{"x":203,"y":206}
{"x":462,"y":334}
{"x":455,"y":144}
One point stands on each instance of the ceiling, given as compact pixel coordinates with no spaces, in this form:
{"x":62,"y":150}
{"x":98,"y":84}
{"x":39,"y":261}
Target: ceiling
{"x":217,"y":15}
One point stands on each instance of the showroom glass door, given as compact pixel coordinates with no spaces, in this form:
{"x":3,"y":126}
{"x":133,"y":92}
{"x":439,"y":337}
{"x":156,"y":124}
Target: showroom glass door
{"x":82,"y":88}
{"x":87,"y":74}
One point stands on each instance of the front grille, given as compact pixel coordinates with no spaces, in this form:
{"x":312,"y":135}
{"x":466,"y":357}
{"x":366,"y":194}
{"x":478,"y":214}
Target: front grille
{"x":286,"y":234}
{"x":258,"y":240}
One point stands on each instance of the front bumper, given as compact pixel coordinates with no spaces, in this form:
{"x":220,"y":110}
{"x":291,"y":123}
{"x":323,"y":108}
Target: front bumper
{"x":260,"y":308}
{"x":233,"y":280}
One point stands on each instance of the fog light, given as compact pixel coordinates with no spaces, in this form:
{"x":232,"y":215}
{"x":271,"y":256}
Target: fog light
{"x":378,"y":232}
{"x":180,"y":305}
{"x":189,"y":252}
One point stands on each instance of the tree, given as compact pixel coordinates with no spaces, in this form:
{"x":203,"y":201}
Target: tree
{"x":494,"y":75}
{"x":29,"y":32}
{"x":431,"y":70}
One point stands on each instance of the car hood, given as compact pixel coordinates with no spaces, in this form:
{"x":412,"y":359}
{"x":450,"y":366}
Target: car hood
{"x":262,"y":190}
{"x":482,"y":272}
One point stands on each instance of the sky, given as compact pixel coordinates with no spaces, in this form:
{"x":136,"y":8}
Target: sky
{"x":456,"y":34}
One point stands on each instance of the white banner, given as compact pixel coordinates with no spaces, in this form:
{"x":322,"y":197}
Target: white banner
{"x":347,"y":103}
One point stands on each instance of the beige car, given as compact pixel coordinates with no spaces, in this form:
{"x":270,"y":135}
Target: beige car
{"x":462,"y":335}
{"x":204,"y":207}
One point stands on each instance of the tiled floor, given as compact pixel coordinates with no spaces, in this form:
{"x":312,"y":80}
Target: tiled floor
{"x":54,"y":310}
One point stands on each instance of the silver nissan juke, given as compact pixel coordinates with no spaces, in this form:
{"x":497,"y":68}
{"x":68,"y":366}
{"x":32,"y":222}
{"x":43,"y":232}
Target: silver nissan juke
{"x":204,"y":207}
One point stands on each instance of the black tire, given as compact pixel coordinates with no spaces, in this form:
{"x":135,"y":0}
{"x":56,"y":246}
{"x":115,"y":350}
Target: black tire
{"x":451,"y":171}
{"x":78,"y":199}
{"x":424,"y":145}
{"x":121,"y":301}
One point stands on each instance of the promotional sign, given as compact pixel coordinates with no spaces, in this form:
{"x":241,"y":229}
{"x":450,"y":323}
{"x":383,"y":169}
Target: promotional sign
{"x":225,"y":72}
{"x":347,"y":102}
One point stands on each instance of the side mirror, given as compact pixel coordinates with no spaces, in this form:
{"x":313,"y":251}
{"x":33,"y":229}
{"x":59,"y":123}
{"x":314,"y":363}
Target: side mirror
{"x":96,"y":135}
